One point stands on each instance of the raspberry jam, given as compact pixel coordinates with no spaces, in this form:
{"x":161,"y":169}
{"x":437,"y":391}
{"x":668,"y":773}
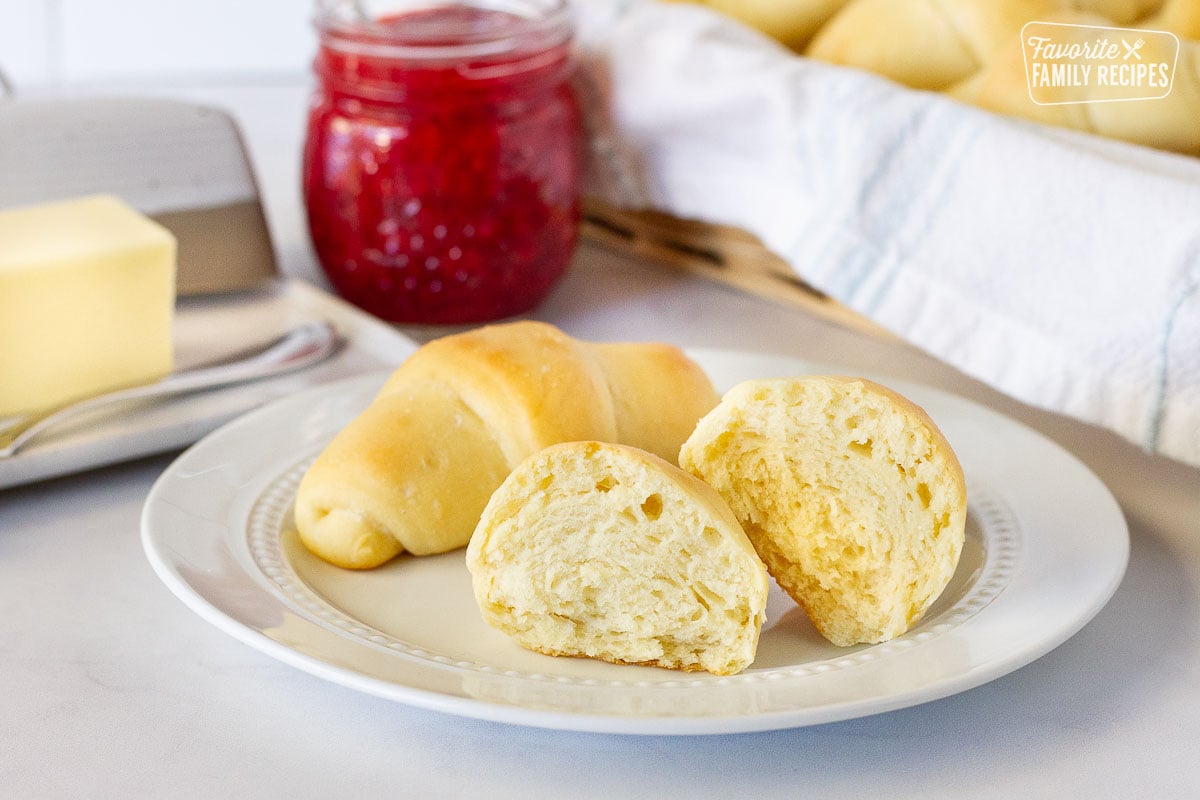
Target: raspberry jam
{"x":443,"y":158}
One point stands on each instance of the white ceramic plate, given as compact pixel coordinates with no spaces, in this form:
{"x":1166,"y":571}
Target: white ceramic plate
{"x":1046,"y":547}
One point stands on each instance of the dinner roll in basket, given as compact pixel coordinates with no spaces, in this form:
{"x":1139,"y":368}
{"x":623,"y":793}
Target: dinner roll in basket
{"x":609,"y":552}
{"x":849,"y":492}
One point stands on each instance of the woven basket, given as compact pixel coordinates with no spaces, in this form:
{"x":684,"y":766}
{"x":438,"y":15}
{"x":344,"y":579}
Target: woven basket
{"x":722,"y":253}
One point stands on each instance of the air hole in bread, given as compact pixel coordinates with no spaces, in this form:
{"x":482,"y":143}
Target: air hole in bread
{"x":652,"y":506}
{"x":863,"y":448}
{"x":606,"y":483}
{"x":711,"y":535}
{"x":738,"y":616}
{"x":924,"y":493}
{"x":942,"y":522}
{"x":669,"y":644}
{"x":913,"y":612}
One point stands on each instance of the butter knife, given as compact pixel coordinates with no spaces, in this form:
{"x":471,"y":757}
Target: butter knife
{"x":301,"y":347}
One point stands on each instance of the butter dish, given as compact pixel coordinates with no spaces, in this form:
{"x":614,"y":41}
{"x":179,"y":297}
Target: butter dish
{"x":181,"y":164}
{"x":184,"y":166}
{"x":206,"y":329}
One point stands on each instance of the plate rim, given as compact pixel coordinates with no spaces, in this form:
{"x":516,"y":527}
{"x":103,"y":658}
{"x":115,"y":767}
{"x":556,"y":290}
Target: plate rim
{"x":588,"y":721}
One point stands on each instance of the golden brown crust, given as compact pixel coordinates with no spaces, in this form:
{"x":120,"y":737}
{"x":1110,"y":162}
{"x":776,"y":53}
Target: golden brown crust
{"x":415,"y":469}
{"x":675,"y":665}
{"x":972,"y":50}
{"x":925,"y":44}
{"x":530,"y":383}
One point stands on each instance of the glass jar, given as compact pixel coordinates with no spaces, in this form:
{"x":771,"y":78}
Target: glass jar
{"x":443,"y":158}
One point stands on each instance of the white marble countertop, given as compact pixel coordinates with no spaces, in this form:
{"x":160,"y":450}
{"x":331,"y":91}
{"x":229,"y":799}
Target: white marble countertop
{"x":110,"y":687}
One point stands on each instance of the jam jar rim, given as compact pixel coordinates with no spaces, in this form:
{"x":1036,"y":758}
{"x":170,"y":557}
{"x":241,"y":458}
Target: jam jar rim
{"x":553,"y":27}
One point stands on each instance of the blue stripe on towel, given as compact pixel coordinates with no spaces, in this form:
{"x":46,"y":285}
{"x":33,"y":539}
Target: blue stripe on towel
{"x":879,"y":227}
{"x":1159,"y":405}
{"x":907,"y":174}
{"x":952,"y":150}
{"x":848,"y":266}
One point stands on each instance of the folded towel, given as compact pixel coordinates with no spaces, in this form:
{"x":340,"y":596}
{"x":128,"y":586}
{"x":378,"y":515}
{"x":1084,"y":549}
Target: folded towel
{"x":1060,"y":268}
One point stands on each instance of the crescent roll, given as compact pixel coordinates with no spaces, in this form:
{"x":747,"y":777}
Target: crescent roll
{"x":413,"y":471}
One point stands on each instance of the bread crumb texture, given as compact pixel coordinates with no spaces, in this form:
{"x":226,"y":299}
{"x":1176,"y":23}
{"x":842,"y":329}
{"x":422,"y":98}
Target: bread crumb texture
{"x":849,"y":493}
{"x":609,"y":552}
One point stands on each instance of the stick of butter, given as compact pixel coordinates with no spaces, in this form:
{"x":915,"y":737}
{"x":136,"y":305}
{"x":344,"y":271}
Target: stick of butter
{"x":87,"y":297}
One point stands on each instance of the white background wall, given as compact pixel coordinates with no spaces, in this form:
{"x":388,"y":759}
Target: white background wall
{"x":81,"y":42}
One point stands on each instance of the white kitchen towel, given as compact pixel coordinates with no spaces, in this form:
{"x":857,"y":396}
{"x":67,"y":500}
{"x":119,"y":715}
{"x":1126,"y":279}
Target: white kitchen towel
{"x":1060,"y":268}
